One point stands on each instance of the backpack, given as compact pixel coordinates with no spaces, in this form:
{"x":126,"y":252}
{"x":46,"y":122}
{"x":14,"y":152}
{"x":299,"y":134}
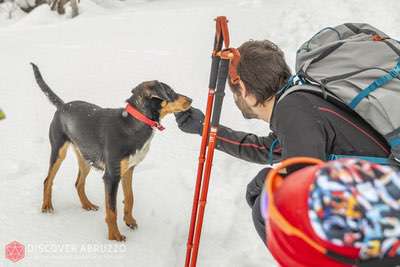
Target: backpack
{"x":356,"y":65}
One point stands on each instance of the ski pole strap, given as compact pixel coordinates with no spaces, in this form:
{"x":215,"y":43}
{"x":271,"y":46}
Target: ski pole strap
{"x":233,"y":74}
{"x":375,"y":85}
{"x":221,"y":38}
{"x":377,"y":160}
{"x":221,"y":33}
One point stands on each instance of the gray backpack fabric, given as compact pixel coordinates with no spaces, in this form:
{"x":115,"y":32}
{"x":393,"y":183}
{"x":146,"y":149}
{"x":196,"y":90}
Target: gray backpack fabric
{"x":358,"y":65}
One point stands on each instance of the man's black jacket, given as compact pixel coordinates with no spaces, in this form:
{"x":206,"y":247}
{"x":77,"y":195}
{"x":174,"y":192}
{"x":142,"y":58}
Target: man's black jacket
{"x":305,"y":125}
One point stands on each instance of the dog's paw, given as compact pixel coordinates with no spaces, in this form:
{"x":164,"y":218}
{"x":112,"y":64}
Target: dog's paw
{"x":117,"y":237}
{"x":131,"y":223}
{"x":47,"y":208}
{"x":133,"y":226}
{"x":90,"y":206}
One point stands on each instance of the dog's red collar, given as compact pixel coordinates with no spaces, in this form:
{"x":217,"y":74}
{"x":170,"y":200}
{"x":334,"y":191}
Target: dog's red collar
{"x":137,"y":115}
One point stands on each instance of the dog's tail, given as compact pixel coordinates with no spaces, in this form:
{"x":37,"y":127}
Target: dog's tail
{"x":55,"y":99}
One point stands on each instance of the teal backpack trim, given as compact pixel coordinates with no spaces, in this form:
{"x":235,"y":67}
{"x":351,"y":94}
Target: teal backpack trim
{"x":375,"y":85}
{"x":394,"y":142}
{"x":377,"y":160}
{"x":274,"y":144}
{"x":292,"y":81}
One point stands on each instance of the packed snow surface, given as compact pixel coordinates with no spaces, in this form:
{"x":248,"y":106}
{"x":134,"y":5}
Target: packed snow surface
{"x":99,"y":57}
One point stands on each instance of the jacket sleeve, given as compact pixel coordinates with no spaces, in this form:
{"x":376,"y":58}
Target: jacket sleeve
{"x":247,"y":146}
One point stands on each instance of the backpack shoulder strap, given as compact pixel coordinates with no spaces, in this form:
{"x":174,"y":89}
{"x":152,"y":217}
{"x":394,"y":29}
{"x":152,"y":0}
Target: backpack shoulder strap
{"x":307,"y":87}
{"x":295,"y":88}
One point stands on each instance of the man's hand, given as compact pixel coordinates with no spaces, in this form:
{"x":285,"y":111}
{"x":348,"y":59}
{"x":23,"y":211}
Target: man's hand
{"x":256,"y":186}
{"x":190,"y":121}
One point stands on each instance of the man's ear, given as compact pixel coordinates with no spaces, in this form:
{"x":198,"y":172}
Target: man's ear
{"x":242,"y":89}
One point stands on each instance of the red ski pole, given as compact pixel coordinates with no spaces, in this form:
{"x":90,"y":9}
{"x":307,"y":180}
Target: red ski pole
{"x":226,"y":56}
{"x":221,"y":37}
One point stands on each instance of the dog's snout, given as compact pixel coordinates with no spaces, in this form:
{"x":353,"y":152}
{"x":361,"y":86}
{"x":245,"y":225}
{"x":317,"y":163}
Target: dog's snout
{"x":187,"y":102}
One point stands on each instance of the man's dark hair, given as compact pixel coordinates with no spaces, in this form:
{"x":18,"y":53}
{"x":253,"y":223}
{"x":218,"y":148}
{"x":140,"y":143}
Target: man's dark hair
{"x":262,"y":68}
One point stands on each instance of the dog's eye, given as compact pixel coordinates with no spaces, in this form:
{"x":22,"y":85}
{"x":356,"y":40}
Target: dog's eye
{"x":174,"y":96}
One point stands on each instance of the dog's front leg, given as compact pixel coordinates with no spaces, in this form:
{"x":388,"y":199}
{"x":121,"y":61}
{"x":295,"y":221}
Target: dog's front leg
{"x":126,"y":173}
{"x":111,"y":182}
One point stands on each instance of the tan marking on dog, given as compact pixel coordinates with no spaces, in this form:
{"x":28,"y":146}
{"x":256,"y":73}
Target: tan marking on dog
{"x":181,"y":104}
{"x":47,"y":205}
{"x":126,"y":176}
{"x":84,"y":169}
{"x":111,"y":220}
{"x":111,"y":216}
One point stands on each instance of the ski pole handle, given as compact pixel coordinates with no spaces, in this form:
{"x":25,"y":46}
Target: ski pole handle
{"x":220,"y":91}
{"x":214,"y":72}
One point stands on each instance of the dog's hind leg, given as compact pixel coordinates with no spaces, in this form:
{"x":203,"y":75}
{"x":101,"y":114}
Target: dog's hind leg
{"x":127,"y":172}
{"x":112,"y":176}
{"x":59,"y":146}
{"x":58,"y":153}
{"x":84,"y":169}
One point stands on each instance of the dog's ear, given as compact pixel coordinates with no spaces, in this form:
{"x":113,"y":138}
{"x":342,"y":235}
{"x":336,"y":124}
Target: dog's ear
{"x":158,"y":90}
{"x":154,"y":89}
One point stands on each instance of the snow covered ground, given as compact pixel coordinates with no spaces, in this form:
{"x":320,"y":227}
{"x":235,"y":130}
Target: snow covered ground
{"x":98,"y":57}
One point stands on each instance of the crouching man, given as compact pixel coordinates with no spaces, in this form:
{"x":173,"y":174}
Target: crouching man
{"x":301,"y":124}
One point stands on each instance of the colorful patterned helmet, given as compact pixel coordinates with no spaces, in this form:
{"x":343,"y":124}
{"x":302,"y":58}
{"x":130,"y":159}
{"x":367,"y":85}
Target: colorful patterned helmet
{"x":341,"y":213}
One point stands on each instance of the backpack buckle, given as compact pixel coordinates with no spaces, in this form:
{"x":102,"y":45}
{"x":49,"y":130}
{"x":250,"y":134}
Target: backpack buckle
{"x":377,"y":38}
